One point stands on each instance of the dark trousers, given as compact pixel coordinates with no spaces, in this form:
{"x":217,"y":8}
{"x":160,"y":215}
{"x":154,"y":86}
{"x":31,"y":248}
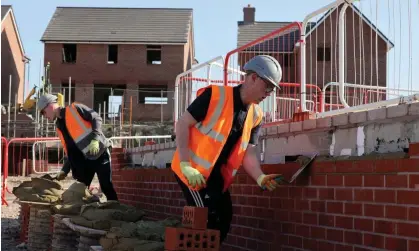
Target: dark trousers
{"x":102,"y":167}
{"x":220,"y":209}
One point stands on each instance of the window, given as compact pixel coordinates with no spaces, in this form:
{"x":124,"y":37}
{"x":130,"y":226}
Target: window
{"x":112,"y":54}
{"x":153,"y":54}
{"x":323,"y":54}
{"x":69,"y":53}
{"x":152,"y":94}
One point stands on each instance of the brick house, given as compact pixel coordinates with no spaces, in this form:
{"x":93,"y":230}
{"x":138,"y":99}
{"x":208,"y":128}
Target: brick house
{"x":135,"y":52}
{"x":13,"y":58}
{"x":321,"y":49}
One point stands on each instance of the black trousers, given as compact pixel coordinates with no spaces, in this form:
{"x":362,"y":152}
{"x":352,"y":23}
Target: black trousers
{"x":102,"y":167}
{"x":220,"y":208}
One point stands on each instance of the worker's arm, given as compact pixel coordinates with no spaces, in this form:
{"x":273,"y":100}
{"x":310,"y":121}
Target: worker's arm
{"x":66,"y":167}
{"x":251,"y":160}
{"x":195,"y":113}
{"x":91,"y":116}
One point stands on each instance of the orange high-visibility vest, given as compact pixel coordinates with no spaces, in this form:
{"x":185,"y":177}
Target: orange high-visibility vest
{"x":208,"y":137}
{"x":81,"y":132}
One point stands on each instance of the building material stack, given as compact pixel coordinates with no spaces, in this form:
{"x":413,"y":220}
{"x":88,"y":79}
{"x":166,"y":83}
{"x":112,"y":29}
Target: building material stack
{"x":194,"y":234}
{"x":63,"y":238}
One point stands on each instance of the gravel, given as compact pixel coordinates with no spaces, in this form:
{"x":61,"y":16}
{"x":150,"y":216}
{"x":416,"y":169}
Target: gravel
{"x":10,"y":222}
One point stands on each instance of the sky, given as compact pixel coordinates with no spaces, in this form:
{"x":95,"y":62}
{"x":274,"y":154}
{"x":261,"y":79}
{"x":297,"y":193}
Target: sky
{"x":215,"y":23}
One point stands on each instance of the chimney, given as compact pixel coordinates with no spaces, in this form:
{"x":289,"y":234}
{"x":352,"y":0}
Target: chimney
{"x":249,"y":14}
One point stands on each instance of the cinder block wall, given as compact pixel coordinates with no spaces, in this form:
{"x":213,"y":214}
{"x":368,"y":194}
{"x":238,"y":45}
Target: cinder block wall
{"x":362,"y":204}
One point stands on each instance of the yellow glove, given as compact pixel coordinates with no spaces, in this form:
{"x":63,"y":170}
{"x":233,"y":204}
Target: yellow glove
{"x":194,"y":177}
{"x":270,"y":181}
{"x":61,"y":175}
{"x":94,"y":147}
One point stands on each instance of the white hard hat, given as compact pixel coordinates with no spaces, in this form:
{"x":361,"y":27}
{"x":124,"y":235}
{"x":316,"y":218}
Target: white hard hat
{"x":45,"y":100}
{"x":265,"y":67}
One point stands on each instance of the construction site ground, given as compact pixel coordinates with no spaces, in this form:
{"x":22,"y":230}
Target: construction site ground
{"x":10,"y":225}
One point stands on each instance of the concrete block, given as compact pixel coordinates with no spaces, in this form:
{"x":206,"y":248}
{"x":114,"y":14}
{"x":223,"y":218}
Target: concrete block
{"x":357,"y":117}
{"x":272,"y":130}
{"x":377,"y":114}
{"x":340,"y":120}
{"x":173,"y":144}
{"x":309,"y":124}
{"x":284,"y":128}
{"x":414,"y":109}
{"x":147,"y":148}
{"x":324,"y":122}
{"x":397,"y":111}
{"x":296,"y":126}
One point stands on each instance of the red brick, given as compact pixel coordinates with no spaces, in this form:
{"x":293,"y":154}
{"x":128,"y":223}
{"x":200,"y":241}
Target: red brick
{"x":353,"y":180}
{"x":408,"y":197}
{"x":310,"y":193}
{"x":326,"y":220}
{"x":326,"y":193}
{"x":334,"y":180}
{"x":393,"y":243}
{"x":408,"y":165}
{"x":353,"y":237}
{"x":396,"y":212}
{"x":396,"y":181}
{"x":363,"y":166}
{"x":374,"y":180}
{"x":302,"y":205}
{"x":317,"y":233}
{"x":386,"y":166}
{"x":262,"y":202}
{"x":341,"y":247}
{"x":296,"y":217}
{"x":296,"y":192}
{"x":364,"y":224}
{"x":318,"y":180}
{"x":310,"y":244}
{"x":317,"y":206}
{"x":413,"y":213}
{"x":373,"y":240}
{"x":385,"y":196}
{"x":414,"y":149}
{"x":414,"y":181}
{"x":288,"y":228}
{"x":413,"y":245}
{"x":287,"y":204}
{"x":334,"y":235}
{"x":385,"y":227}
{"x":182,"y":238}
{"x":345,"y":194}
{"x":302,"y":230}
{"x":324,"y":245}
{"x":324,"y":167}
{"x":334,"y":207}
{"x":353,"y":209}
{"x":408,"y":229}
{"x":363,"y":194}
{"x":344,"y":166}
{"x":310,"y":219}
{"x":344,"y":222}
{"x":295,"y":241}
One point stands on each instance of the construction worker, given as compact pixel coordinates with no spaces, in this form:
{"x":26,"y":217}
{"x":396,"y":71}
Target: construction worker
{"x":217,"y":134}
{"x":86,"y":147}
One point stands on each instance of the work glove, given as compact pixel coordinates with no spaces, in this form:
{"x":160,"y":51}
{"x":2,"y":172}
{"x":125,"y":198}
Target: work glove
{"x":94,"y":147}
{"x":270,"y":181}
{"x":61,"y":175}
{"x":194,"y":177}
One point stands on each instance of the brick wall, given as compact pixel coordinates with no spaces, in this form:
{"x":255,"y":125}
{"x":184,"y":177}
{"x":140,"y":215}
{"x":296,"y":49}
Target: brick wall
{"x":364,"y":204}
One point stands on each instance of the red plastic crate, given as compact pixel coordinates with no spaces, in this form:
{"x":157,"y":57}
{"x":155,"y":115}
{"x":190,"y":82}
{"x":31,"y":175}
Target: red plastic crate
{"x":186,"y":239}
{"x":195,"y":217}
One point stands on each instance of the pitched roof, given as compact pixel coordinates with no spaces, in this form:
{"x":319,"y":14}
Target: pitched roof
{"x":252,"y":31}
{"x":248,"y":32}
{"x":137,"y":25}
{"x":4,"y":10}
